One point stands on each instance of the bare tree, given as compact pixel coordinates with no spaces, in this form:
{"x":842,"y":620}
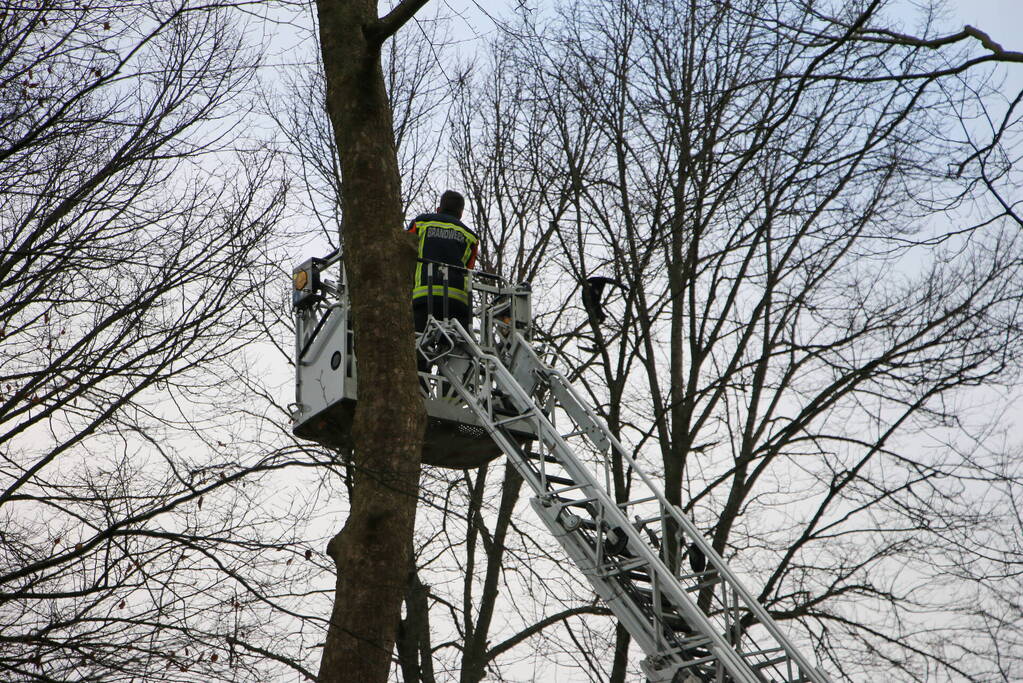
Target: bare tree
{"x":129,"y":546}
{"x":771,"y":185}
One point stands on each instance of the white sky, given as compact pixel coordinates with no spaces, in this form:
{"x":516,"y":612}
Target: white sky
{"x":1001,"y":19}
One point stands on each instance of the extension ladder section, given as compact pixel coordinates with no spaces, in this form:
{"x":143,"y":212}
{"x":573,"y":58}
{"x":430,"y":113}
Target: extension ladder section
{"x":694,"y":624}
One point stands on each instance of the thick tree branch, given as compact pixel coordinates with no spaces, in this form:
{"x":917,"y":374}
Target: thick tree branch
{"x":388,"y":25}
{"x":895,"y":38}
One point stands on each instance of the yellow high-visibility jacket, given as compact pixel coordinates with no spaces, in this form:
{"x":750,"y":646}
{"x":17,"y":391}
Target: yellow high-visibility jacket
{"x":443,"y":239}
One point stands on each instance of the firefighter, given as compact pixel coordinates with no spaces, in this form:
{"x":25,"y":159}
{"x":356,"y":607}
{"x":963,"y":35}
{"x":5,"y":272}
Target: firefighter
{"x":443,"y":240}
{"x":446,"y":248}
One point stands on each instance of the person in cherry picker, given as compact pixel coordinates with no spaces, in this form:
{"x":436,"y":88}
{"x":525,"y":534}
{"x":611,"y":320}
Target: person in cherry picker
{"x":443,"y":240}
{"x":446,"y":248}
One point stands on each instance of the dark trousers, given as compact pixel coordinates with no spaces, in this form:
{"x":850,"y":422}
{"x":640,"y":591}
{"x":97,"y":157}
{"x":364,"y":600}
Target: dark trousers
{"x":424,"y":306}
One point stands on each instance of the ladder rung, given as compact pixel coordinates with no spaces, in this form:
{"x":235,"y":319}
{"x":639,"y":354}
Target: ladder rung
{"x":707,"y":576}
{"x":770,"y":662}
{"x":623,"y":568}
{"x":697,"y":640}
{"x":701,"y":586}
{"x":643,"y":522}
{"x":509,"y":420}
{"x":637,"y":575}
{"x":575,"y":503}
{"x":637,"y":569}
{"x":546,"y":457}
{"x":564,"y":481}
{"x":637,"y":501}
{"x":768,"y":651}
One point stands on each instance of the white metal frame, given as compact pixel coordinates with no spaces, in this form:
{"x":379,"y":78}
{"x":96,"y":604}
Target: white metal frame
{"x":733,"y":638}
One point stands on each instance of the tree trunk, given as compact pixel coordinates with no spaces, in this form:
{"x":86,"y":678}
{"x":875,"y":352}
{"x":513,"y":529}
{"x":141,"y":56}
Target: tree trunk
{"x":372,"y":551}
{"x":620,"y":661}
{"x":414,"y":650}
{"x":476,"y":656}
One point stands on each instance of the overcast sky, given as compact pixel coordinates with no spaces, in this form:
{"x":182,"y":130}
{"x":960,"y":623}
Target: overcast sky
{"x":1002,"y":19}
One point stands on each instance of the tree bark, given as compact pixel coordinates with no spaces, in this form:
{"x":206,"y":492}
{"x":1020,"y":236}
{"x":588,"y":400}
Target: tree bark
{"x":372,"y":551}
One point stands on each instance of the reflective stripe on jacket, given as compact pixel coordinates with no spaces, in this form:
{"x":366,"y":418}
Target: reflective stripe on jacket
{"x":443,"y":239}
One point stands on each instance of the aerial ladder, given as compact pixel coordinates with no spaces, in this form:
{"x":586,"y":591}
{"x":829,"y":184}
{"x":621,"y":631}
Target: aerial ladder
{"x":493,"y":392}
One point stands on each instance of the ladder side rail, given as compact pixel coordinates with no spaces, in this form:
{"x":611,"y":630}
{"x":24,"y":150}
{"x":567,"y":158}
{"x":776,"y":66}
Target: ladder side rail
{"x":648,"y":634}
{"x":689,"y":528}
{"x":738,"y":667}
{"x":624,"y":609}
{"x":588,"y":561}
{"x":545,"y":430}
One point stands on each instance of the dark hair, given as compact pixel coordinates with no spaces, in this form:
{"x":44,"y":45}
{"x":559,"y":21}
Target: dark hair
{"x":452,"y":203}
